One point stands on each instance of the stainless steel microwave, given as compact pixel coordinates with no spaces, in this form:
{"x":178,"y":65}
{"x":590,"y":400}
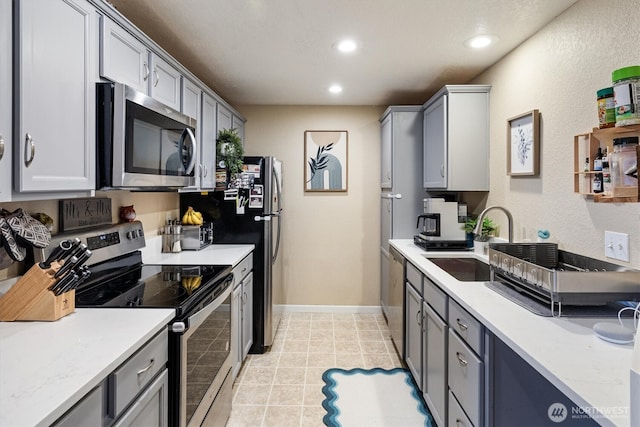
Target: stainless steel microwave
{"x":142,"y":144}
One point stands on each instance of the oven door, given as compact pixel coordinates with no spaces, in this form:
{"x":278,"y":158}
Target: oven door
{"x":204,"y":360}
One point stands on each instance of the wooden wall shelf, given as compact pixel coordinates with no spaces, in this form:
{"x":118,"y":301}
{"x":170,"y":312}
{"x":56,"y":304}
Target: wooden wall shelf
{"x":586,"y":145}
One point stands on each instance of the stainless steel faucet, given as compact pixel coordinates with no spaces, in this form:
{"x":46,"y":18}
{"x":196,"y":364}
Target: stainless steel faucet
{"x":478,"y":229}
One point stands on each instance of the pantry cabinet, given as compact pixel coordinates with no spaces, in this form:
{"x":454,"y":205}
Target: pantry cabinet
{"x":5,"y":102}
{"x":125,"y":59}
{"x":54,"y":103}
{"x":456,"y":139}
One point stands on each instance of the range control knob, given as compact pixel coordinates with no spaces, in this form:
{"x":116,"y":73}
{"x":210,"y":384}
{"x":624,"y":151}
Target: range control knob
{"x":131,"y":235}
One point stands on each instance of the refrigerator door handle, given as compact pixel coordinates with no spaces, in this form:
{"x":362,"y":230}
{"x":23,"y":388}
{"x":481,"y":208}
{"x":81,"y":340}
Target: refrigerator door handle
{"x":259,"y":218}
{"x":392,"y":196}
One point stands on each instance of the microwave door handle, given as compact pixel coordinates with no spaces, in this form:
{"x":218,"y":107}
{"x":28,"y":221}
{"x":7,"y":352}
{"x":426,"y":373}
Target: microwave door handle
{"x":192,"y":160}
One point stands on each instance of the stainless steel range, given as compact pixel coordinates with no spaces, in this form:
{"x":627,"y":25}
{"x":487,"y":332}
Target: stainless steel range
{"x":199,"y":335}
{"x":538,"y":274}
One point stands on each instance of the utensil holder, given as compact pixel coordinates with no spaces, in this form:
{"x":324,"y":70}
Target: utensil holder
{"x":30,"y":298}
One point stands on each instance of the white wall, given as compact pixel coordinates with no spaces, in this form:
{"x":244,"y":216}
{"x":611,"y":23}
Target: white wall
{"x":558,"y":72}
{"x":330,"y":240}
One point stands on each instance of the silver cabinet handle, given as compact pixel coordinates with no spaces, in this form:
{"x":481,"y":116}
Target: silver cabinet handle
{"x":244,"y":298}
{"x":156,"y":76}
{"x":418,"y":318}
{"x":143,"y":370}
{"x":442,"y":171}
{"x":461,"y":325}
{"x":146,"y":71}
{"x":29,"y":154}
{"x":1,"y":147}
{"x":459,"y":422}
{"x":461,"y":360}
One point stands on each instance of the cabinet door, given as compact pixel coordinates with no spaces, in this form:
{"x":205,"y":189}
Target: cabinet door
{"x":151,"y":407}
{"x":87,"y":412}
{"x":386,"y":220}
{"x":236,"y":330}
{"x":386,"y":155}
{"x":208,"y":142}
{"x":413,"y":334}
{"x":435,"y":144}
{"x":56,"y":76}
{"x":123,"y":58}
{"x":434,"y":364}
{"x":5,"y":102}
{"x":247,"y":315}
{"x":465,"y":376}
{"x":165,"y":82}
{"x":384,"y":283}
{"x":224,"y":118}
{"x":238,"y":124}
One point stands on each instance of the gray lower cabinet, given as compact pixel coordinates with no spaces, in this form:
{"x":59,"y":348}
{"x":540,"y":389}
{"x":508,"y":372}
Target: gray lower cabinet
{"x":434,"y":364}
{"x":242,"y":313}
{"x":135,"y":394}
{"x":413,"y":333}
{"x":87,"y":412}
{"x":56,"y":46}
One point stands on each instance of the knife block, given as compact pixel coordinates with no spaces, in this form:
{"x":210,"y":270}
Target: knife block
{"x":30,"y":298}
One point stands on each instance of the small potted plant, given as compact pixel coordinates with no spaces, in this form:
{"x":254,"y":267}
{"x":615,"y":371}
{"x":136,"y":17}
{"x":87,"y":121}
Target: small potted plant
{"x":229,"y":152}
{"x":489,"y":229}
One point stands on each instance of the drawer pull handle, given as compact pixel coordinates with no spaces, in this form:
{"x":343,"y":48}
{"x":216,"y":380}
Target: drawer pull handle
{"x":462,"y":326}
{"x":461,"y":360}
{"x":143,"y":370}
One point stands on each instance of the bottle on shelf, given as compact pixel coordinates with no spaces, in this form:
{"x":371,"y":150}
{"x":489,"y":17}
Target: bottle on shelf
{"x":597,"y":162}
{"x":597,"y":183}
{"x":586,"y":165}
{"x":606,"y":174}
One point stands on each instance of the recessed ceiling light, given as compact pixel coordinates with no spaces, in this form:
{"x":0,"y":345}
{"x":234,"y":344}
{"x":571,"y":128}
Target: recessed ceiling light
{"x":481,"y":41}
{"x":335,"y":88}
{"x":347,"y":46}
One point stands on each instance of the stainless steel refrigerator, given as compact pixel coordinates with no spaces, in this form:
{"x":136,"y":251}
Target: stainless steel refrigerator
{"x":255,"y":219}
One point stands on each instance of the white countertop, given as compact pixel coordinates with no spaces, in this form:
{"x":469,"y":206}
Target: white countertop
{"x":47,"y":367}
{"x":212,"y":254}
{"x":591,"y":372}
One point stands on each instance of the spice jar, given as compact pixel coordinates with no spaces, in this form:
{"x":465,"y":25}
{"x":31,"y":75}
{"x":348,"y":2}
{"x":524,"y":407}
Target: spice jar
{"x":606,"y":108}
{"x":622,"y":161}
{"x":626,"y":89}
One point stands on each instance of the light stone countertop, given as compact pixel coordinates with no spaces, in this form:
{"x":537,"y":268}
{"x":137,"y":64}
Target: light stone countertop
{"x":47,"y":367}
{"x":593,"y":373}
{"x":216,"y":254}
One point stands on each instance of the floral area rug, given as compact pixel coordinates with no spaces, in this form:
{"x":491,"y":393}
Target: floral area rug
{"x":373,"y":397}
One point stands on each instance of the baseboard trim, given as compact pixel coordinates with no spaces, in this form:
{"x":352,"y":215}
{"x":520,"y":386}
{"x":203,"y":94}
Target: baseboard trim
{"x":363,"y":309}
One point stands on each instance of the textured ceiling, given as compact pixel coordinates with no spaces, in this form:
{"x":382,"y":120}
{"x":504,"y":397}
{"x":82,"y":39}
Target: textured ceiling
{"x":281,"y":52}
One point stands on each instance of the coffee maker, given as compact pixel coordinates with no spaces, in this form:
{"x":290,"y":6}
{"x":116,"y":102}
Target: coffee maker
{"x":441,"y":226}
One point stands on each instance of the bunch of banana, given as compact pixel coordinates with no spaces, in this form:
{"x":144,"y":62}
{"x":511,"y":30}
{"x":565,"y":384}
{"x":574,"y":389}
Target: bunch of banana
{"x":191,"y":283}
{"x":191,"y":217}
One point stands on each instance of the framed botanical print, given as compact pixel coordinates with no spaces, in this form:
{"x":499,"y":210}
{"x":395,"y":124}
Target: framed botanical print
{"x":326,"y":160}
{"x":523,"y":144}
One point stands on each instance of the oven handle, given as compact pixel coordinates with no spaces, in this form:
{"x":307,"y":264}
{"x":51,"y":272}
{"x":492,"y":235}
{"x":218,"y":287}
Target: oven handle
{"x":200,"y":316}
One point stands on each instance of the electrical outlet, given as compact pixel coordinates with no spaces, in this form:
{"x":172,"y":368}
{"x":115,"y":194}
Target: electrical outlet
{"x":616,"y":245}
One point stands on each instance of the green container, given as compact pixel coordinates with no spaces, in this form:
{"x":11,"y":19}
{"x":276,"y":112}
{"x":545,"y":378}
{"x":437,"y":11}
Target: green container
{"x":626,"y":88}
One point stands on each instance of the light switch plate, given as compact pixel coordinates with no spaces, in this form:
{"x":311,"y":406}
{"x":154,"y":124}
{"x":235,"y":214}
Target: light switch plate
{"x":616,"y":245}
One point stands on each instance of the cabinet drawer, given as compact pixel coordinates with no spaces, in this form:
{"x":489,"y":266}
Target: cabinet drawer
{"x":134,"y":374}
{"x":243,"y":268}
{"x":466,"y":326}
{"x":465,"y":377}
{"x":457,"y":417}
{"x":435,"y":297}
{"x":88,"y":412}
{"x":414,"y":277}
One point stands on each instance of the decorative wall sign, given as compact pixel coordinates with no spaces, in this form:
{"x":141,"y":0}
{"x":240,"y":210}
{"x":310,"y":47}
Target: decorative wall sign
{"x":326,"y":156}
{"x":523,"y":144}
{"x":76,"y":214}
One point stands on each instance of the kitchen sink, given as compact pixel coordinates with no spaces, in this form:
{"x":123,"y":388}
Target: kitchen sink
{"x":463,"y":269}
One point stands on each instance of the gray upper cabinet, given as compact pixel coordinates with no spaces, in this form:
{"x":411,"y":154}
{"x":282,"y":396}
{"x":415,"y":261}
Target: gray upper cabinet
{"x":191,"y":105}
{"x":238,"y":124}
{"x":5,"y":102}
{"x":125,"y":59}
{"x":456,"y":139}
{"x":208,"y":142}
{"x":54,"y":115}
{"x":386,"y":155}
{"x":224,"y":118}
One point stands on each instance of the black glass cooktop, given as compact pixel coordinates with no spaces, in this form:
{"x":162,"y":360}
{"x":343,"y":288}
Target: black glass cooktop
{"x":126,"y":282}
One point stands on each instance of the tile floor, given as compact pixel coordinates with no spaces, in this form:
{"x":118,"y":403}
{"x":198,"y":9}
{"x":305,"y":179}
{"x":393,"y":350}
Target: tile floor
{"x":284,"y":386}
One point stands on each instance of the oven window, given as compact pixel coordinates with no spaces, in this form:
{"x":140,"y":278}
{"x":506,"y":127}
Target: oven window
{"x":207,"y":349}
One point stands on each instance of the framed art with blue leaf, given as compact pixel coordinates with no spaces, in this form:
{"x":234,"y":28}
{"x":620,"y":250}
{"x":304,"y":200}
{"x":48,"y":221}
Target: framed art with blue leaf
{"x":326,"y":160}
{"x":523,"y":144}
